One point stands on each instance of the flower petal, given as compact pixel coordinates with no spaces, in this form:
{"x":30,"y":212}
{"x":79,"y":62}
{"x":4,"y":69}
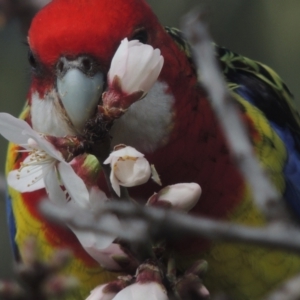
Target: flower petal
{"x":11,"y":128}
{"x":133,"y":172}
{"x":74,"y":185}
{"x":93,"y":242}
{"x":126,"y":151}
{"x":19,"y":131}
{"x":45,"y":145}
{"x":55,"y":193}
{"x":154,"y":175}
{"x":108,"y":160}
{"x":119,"y":61}
{"x":134,"y":43}
{"x":105,"y":256}
{"x":97,"y":198}
{"x":146,"y":291}
{"x":183,"y":196}
{"x":148,"y":67}
{"x":137,"y":67}
{"x":98,"y":293}
{"x":152,"y":75}
{"x":115,"y":183}
{"x":28,"y":179}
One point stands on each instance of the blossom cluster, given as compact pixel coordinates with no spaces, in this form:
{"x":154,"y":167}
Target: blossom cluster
{"x":134,"y":69}
{"x":45,"y":167}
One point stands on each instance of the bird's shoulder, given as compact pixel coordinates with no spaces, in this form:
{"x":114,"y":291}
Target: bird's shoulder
{"x":253,"y":81}
{"x":262,"y":87}
{"x":268,"y":104}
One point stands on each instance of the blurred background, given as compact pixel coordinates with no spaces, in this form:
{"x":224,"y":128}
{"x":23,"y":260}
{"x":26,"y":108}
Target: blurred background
{"x":265,"y":30}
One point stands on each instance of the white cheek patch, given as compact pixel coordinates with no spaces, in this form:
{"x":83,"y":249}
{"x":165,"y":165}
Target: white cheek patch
{"x":147,"y":124}
{"x":48,"y":117}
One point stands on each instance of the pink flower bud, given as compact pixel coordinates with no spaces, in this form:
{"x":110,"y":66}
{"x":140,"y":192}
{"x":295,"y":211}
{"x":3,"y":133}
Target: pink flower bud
{"x":113,"y":258}
{"x":134,"y":69}
{"x":136,"y":65}
{"x":181,"y":196}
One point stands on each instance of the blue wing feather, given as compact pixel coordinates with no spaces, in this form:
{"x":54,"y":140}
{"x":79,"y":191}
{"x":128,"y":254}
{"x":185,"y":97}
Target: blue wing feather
{"x":292,"y":167}
{"x":262,"y":87}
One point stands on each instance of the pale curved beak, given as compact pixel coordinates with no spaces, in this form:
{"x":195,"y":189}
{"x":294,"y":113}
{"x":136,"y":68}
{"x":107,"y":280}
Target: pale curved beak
{"x":79,"y":91}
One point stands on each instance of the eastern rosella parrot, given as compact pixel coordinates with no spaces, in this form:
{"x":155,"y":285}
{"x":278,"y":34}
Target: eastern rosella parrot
{"x":173,"y":125}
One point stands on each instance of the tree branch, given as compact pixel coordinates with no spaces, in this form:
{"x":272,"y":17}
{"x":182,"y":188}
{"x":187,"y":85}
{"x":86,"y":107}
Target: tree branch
{"x":139,"y":224}
{"x":265,"y":195}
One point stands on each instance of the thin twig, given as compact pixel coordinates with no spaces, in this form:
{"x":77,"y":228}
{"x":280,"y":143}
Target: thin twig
{"x":102,"y":222}
{"x":265,"y":195}
{"x":139,"y":224}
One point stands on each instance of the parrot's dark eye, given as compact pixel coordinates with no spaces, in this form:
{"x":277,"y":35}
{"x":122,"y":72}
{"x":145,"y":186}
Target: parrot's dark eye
{"x":87,"y":64}
{"x":141,"y":35}
{"x":32,"y":60}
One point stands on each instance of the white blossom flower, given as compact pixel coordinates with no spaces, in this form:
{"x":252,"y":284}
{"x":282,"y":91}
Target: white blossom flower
{"x":96,"y":243}
{"x":104,"y":256}
{"x":145,"y":291}
{"x":100,"y":293}
{"x":182,"y":196}
{"x":128,"y":168}
{"x":136,"y":65}
{"x":112,"y":258}
{"x":109,"y":290}
{"x":44,"y":167}
{"x":100,"y":245}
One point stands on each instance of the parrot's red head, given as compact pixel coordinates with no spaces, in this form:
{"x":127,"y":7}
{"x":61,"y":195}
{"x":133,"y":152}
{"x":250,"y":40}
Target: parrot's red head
{"x":91,"y":27}
{"x":72,"y":43}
